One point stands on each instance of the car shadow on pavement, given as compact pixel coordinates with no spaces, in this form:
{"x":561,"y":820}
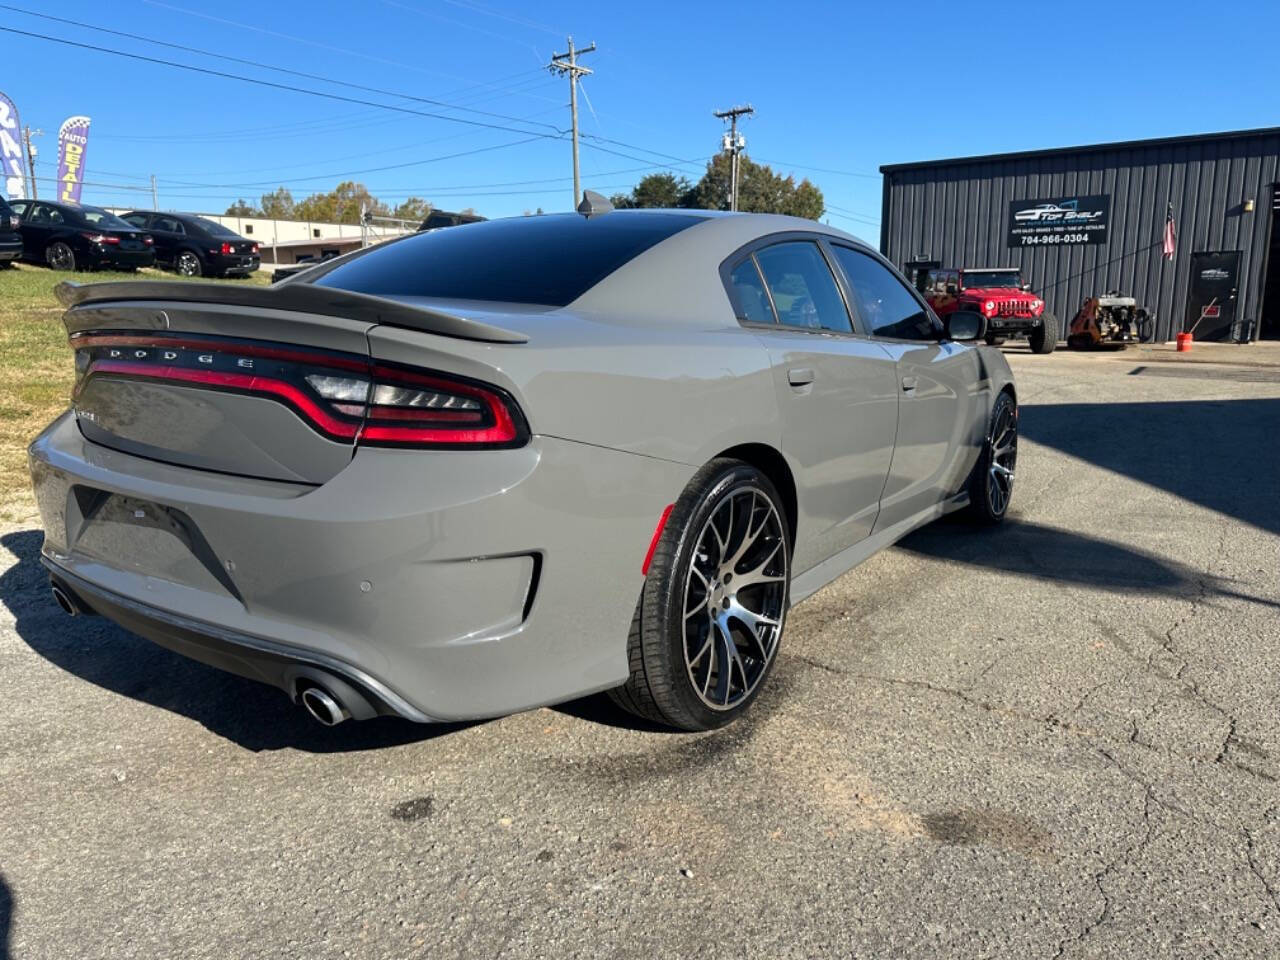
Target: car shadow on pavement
{"x":250,"y":714}
{"x":1220,"y":454}
{"x":6,"y":918}
{"x":1066,"y":557}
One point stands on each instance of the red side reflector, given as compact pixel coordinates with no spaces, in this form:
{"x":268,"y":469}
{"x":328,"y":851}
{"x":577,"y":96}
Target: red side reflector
{"x":657,"y":535}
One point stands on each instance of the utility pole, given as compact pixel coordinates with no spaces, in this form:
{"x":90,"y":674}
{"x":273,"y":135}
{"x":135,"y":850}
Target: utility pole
{"x":734,"y":144}
{"x":27,"y":134}
{"x":567,"y":63}
{"x":155,"y":197}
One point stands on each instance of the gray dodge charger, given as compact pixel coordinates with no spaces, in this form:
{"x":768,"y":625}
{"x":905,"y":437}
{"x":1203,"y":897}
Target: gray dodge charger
{"x":511,"y":463}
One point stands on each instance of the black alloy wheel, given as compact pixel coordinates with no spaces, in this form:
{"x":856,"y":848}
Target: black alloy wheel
{"x":711,"y":616}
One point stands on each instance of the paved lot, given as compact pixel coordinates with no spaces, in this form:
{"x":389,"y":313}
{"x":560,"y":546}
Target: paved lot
{"x":1058,"y":739}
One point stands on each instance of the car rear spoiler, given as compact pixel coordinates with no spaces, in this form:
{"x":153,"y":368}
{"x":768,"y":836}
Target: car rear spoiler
{"x":296,"y":297}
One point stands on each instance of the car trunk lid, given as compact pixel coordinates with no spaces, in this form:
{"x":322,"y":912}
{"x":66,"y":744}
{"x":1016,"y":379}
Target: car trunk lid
{"x":234,"y":381}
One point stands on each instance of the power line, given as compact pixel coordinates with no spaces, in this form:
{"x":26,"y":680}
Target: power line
{"x":841,"y":173}
{"x":265,"y":66}
{"x":277,"y":86}
{"x":306,"y":41}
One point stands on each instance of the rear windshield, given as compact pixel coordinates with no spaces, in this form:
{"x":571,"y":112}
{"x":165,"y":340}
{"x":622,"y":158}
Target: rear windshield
{"x":215,"y":229}
{"x":549,"y":260}
{"x":100,"y":218}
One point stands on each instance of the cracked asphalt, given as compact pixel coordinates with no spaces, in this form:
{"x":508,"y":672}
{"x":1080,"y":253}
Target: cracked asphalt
{"x":1056,"y":739}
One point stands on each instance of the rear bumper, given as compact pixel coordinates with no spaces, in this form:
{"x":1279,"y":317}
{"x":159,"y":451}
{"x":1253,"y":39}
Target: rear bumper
{"x":107,"y":257}
{"x":450,"y":585}
{"x":257,"y":658}
{"x":233,"y":265}
{"x":10,"y":248}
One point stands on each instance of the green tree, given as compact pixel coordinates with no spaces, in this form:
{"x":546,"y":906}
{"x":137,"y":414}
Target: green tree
{"x":342,"y":204}
{"x":413,"y":208}
{"x":760,"y":190}
{"x":656,"y":190}
{"x":278,"y":204}
{"x":242,"y":208}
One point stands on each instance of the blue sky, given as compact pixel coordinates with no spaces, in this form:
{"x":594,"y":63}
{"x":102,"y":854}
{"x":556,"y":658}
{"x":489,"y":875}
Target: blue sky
{"x":839,"y":89}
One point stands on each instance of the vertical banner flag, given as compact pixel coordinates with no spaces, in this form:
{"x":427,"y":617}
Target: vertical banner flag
{"x":15,"y":178}
{"x":73,"y":138}
{"x":1170,"y":235}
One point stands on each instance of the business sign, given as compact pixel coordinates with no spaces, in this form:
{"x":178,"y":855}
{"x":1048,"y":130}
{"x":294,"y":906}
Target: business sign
{"x":1065,"y":221}
{"x":73,"y":138}
{"x":15,"y":181}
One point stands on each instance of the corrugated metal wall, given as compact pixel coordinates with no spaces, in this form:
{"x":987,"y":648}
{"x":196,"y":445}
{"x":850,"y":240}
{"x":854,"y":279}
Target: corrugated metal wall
{"x":958,"y":213}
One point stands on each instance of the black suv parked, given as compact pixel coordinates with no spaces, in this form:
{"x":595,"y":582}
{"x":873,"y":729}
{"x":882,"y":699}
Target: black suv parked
{"x":10,"y":238}
{"x":194,"y":246}
{"x":68,"y":237}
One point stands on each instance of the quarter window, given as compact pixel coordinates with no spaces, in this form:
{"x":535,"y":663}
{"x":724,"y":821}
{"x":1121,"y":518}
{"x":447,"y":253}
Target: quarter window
{"x":750,"y":302}
{"x":885,"y":305}
{"x":804,"y":291}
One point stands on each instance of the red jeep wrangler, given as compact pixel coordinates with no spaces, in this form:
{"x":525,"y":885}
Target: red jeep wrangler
{"x":998,"y":294}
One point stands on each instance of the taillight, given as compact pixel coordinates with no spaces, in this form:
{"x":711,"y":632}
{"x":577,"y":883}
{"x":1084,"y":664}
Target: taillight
{"x":255,"y":248}
{"x":342,"y":396}
{"x":226,"y":249}
{"x":15,"y":222}
{"x":148,"y":240}
{"x":101,"y":238}
{"x":404,"y":407}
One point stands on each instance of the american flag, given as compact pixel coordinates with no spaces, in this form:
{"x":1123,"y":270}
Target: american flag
{"x":1170,"y":234}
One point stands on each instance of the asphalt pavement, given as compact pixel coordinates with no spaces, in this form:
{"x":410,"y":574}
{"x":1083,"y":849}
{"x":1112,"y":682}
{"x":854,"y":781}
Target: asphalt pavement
{"x":1060,"y":738}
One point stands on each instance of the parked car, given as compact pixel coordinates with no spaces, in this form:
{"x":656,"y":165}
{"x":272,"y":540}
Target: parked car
{"x":476,"y":470}
{"x":70,"y":237}
{"x":196,"y":246}
{"x":998,"y":293}
{"x":10,"y":237}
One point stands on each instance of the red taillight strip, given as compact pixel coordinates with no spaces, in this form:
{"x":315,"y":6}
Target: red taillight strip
{"x":251,"y":383}
{"x":80,"y":341}
{"x":503,"y":429}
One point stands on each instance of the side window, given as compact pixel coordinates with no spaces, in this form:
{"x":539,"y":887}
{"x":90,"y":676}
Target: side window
{"x":750,"y":302}
{"x":168,"y":225}
{"x":40,"y":213}
{"x":884,"y":304}
{"x":20,"y":207}
{"x":56,"y":215}
{"x":136,"y":219}
{"x":804,"y":291}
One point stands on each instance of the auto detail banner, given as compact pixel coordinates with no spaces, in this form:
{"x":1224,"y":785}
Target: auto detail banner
{"x":73,"y":138}
{"x":15,"y":180}
{"x":1061,"y":221}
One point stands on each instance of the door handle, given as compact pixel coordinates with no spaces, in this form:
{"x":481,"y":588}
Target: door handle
{"x":910,"y":383}
{"x":800,"y":376}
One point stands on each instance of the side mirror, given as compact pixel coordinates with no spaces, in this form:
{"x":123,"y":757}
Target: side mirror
{"x":965,"y":325}
{"x":952,"y":289}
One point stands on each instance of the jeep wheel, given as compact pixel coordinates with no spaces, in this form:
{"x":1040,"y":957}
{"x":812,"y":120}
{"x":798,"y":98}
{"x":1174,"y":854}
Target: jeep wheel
{"x":1044,"y":337}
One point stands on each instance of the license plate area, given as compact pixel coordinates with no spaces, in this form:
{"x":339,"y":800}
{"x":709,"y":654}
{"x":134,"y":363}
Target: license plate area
{"x":144,"y":537}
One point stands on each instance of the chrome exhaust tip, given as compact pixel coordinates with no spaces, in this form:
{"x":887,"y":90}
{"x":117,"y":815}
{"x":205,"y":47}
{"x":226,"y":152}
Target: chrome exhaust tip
{"x":62,"y":599}
{"x":323,"y":707}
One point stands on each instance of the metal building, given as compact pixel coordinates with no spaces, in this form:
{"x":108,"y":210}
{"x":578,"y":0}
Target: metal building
{"x":1084,"y":221}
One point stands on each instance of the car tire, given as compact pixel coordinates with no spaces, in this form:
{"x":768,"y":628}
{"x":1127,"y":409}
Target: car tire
{"x":728,"y":525}
{"x":992,"y":340}
{"x":60,"y":256}
{"x":1044,"y":337}
{"x":991,"y":484}
{"x":187,"y":264}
